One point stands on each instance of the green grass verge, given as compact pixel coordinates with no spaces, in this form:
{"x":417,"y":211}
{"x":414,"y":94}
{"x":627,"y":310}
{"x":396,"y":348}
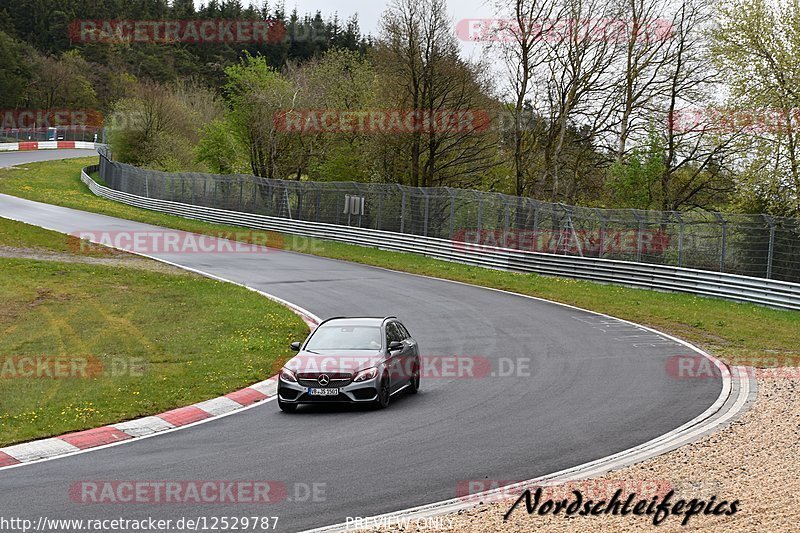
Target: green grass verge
{"x":150,"y":341}
{"x":735,"y":332}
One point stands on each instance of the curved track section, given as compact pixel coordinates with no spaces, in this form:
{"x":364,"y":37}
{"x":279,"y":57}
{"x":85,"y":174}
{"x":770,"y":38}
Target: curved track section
{"x":596,"y":387}
{"x":10,"y":159}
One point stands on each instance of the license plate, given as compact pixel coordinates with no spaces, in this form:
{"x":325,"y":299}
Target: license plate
{"x":323,"y":392}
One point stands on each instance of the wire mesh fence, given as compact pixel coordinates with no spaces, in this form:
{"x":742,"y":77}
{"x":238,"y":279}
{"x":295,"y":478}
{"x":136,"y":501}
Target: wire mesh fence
{"x":750,"y":245}
{"x":60,"y":133}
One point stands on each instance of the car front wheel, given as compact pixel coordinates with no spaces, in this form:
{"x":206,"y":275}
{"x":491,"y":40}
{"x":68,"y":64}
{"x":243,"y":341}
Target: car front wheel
{"x":384,"y":394}
{"x":413,"y":385}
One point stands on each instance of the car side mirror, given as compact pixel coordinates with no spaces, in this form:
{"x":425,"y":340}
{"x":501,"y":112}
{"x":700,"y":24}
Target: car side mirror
{"x":395,"y":346}
{"x":295,"y":346}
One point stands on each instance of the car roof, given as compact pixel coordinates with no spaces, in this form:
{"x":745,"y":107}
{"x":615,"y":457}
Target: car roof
{"x":356,"y":321}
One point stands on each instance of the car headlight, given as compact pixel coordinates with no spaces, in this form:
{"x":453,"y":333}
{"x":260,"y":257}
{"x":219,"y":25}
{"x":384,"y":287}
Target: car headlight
{"x":288,"y":375}
{"x":364,"y":375}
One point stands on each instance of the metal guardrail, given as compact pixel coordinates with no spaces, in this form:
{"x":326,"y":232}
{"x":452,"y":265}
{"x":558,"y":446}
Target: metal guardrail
{"x":761,"y":291}
{"x":755,"y":245}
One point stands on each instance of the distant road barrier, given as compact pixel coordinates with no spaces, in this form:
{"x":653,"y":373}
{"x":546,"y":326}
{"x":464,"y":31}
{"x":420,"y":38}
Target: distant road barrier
{"x":734,"y":287}
{"x":46,"y":145}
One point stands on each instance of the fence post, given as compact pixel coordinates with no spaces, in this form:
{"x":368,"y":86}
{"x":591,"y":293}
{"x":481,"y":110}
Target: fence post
{"x":479,"y":224}
{"x":680,"y":242}
{"x":638,"y":236}
{"x":402,"y":210}
{"x":427,"y":212}
{"x":452,"y":212}
{"x":602,"y":232}
{"x":771,"y":223}
{"x":724,"y":225}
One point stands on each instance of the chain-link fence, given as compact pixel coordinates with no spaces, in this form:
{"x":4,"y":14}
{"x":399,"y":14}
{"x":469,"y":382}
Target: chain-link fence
{"x":60,"y":133}
{"x":750,"y":245}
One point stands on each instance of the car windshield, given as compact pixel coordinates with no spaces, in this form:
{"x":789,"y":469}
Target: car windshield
{"x":345,"y":338}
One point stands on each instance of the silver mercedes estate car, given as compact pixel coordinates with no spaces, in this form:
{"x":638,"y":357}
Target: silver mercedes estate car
{"x":353,"y":360}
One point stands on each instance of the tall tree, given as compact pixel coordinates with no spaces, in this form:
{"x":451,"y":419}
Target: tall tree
{"x":520,"y":41}
{"x":756,"y":44}
{"x":257,"y":94}
{"x":418,"y":61}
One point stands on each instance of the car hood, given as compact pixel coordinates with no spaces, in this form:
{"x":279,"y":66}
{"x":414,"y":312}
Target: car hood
{"x":328,"y":361}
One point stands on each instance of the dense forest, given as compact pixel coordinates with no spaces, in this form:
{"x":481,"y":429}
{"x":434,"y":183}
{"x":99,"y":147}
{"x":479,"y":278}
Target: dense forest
{"x":647,"y":104}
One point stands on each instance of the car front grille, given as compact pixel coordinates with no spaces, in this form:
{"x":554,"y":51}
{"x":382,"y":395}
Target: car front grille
{"x":337,"y":379}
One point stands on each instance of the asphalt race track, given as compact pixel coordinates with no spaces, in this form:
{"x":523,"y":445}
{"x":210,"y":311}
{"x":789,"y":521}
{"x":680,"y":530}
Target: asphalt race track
{"x":590,"y":392}
{"x":9,"y":159}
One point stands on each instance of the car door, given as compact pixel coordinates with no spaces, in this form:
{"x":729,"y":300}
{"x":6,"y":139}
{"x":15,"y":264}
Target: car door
{"x":397,"y":358}
{"x":407,"y":356}
{"x":411,"y":353}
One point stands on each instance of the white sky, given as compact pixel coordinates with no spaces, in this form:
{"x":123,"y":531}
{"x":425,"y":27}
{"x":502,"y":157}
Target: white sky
{"x":369,"y":11}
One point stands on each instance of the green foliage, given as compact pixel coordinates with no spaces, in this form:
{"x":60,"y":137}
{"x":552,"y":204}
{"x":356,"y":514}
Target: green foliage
{"x":221,"y":150}
{"x":756,"y":44}
{"x":12,"y":72}
{"x":45,"y":25}
{"x":256,"y":94}
{"x":160,"y":126}
{"x":634,"y":183}
{"x":341,"y":80}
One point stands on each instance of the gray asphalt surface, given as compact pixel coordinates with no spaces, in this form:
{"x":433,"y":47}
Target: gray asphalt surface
{"x":9,"y":159}
{"x":590,"y":392}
